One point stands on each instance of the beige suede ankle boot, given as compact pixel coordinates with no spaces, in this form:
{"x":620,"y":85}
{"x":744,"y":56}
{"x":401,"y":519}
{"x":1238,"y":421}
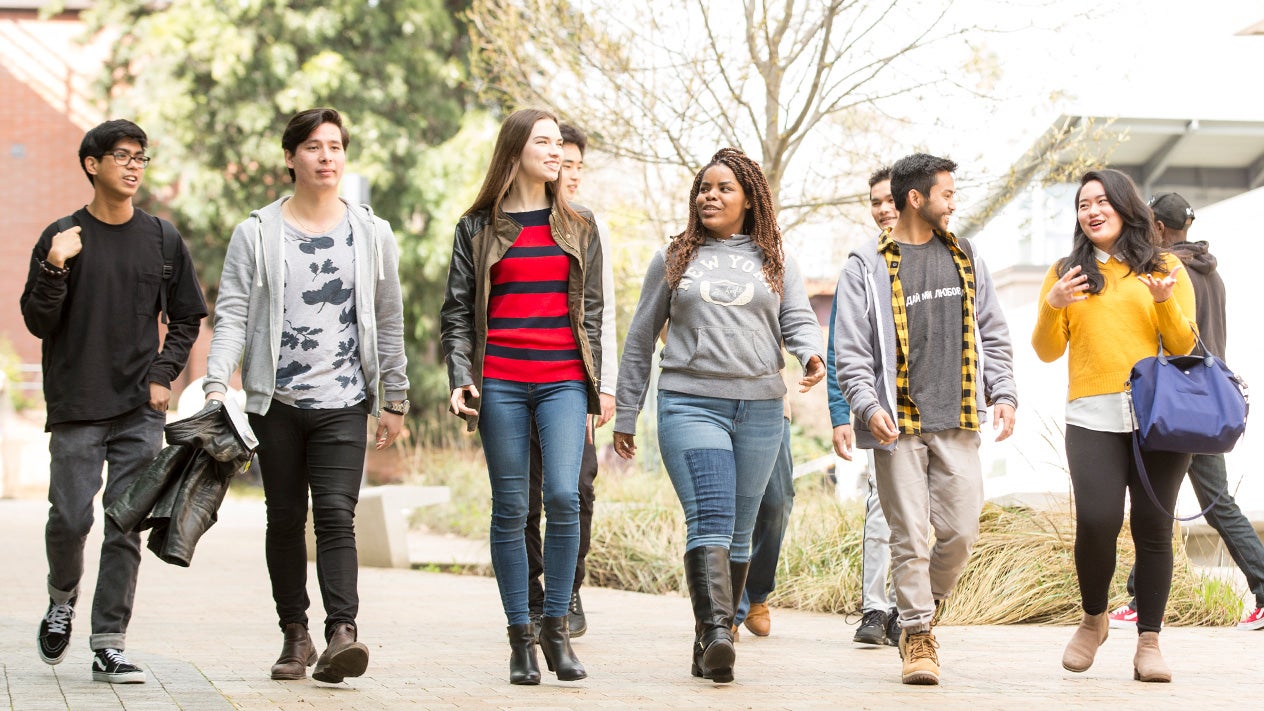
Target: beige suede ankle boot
{"x":1082,"y":648}
{"x":1148,"y":665}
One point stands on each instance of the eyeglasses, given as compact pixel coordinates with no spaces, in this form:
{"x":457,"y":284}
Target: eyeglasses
{"x":125,"y":159}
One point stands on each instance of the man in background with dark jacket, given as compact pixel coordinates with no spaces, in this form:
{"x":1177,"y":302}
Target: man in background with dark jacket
{"x":1172,"y":218}
{"x":92,"y":296}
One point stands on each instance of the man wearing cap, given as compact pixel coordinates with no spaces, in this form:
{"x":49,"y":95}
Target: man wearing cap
{"x":1172,"y":218}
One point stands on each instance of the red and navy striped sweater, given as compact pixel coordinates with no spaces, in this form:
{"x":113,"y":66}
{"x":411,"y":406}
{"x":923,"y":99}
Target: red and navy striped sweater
{"x":529,"y":336}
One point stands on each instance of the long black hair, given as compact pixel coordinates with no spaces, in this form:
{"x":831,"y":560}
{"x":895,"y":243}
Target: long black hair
{"x":1138,"y":243}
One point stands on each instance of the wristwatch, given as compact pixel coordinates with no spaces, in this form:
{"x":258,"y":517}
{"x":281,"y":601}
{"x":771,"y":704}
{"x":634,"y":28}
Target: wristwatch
{"x":396,"y":407}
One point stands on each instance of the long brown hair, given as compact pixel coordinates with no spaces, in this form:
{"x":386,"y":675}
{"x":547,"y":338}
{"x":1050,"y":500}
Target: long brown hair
{"x":760,"y":223}
{"x":515,"y":131}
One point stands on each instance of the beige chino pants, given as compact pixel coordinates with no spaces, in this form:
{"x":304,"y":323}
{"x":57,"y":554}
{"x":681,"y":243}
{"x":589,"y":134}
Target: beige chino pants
{"x":931,"y":483}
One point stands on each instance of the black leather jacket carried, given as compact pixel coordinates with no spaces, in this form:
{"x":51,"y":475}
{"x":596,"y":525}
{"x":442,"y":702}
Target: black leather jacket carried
{"x":477,"y":246}
{"x":180,"y":492}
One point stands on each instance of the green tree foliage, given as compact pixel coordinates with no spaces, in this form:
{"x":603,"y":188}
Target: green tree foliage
{"x":213,"y":83}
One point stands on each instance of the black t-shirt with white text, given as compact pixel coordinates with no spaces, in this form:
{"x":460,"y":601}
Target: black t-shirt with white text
{"x":932,"y":299}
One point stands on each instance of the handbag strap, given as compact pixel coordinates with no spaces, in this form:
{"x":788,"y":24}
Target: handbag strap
{"x":1154,"y":499}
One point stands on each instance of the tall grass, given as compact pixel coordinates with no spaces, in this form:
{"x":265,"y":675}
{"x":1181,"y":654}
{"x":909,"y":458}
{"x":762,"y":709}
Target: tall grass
{"x":1022,"y":569}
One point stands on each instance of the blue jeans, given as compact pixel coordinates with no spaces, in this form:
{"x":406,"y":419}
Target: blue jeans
{"x":505,"y":423}
{"x":719,"y":454}
{"x":770,"y":529}
{"x":128,"y":443}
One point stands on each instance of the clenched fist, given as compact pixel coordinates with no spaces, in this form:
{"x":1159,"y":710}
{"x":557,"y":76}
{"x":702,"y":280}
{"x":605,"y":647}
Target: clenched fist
{"x":65,"y":245}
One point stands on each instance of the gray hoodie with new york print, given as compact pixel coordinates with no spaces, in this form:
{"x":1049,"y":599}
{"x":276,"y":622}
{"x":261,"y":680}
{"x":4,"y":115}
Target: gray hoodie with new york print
{"x":727,"y":329}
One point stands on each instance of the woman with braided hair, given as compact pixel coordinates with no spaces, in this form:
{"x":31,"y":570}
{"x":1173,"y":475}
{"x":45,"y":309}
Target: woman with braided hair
{"x":732,"y":298}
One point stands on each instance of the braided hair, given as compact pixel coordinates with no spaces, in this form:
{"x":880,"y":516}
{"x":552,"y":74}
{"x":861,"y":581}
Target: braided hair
{"x":760,"y":222}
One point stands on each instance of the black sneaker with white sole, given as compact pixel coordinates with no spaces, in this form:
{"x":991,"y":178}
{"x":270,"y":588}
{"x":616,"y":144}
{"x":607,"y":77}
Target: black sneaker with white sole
{"x":111,"y":666}
{"x":54,"y":631}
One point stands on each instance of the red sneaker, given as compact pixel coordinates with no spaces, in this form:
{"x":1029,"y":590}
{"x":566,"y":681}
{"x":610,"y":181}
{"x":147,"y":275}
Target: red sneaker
{"x":1253,"y":621}
{"x":1123,"y":618}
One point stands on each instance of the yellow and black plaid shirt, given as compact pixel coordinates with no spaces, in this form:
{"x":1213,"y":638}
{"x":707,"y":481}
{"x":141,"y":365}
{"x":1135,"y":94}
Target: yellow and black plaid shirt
{"x":908,"y":419}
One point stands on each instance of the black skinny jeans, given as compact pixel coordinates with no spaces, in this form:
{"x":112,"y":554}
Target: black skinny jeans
{"x":321,"y":451}
{"x":1102,"y":469}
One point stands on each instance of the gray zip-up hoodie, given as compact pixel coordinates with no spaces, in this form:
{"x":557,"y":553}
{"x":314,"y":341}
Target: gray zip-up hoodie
{"x":864,"y":345}
{"x":727,"y":327}
{"x":249,"y":311}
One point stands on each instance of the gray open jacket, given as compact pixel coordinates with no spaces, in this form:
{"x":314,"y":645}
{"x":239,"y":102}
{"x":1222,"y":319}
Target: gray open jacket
{"x":864,"y":343}
{"x":249,"y":311}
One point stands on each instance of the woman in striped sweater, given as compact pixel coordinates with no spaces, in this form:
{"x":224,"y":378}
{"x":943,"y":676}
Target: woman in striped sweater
{"x":1107,"y":305}
{"x":521,"y":326}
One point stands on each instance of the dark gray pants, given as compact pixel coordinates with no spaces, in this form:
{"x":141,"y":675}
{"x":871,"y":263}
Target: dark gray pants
{"x":128,"y":443}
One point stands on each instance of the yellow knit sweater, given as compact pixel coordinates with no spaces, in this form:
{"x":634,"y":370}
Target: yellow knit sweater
{"x":1110,"y":331}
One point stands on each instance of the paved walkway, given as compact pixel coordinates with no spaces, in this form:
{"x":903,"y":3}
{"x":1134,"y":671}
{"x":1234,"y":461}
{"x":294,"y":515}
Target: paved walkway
{"x":207,"y":637}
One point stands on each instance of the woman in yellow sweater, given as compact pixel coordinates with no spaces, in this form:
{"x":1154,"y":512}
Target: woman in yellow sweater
{"x":1108,"y":303}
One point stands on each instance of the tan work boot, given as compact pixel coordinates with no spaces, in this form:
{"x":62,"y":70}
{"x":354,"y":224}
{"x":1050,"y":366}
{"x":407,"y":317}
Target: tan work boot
{"x":1148,"y":664}
{"x":1082,"y":648}
{"x":921,"y":662}
{"x":757,"y":620}
{"x":297,"y":654}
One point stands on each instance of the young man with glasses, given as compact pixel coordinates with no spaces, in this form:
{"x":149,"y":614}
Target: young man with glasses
{"x":92,"y":295}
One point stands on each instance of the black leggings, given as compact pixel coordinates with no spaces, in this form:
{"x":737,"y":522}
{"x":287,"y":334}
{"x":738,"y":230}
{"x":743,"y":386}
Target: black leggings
{"x":1102,"y":469}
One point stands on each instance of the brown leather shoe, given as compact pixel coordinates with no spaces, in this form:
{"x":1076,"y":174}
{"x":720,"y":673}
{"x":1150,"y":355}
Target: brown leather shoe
{"x":343,"y":657}
{"x":297,"y":654}
{"x":758,"y":620}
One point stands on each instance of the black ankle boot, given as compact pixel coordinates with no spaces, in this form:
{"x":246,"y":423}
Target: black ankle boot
{"x":709,"y":576}
{"x":523,"y":667}
{"x":555,"y":642}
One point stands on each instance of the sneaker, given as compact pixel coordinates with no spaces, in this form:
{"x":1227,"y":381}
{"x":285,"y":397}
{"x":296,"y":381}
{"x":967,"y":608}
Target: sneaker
{"x":1123,"y":618}
{"x":54,"y":631}
{"x":893,"y":627}
{"x":872,"y":629}
{"x":921,"y":662}
{"x":1253,"y":621}
{"x":577,"y":621}
{"x":111,"y":666}
{"x":758,"y":621}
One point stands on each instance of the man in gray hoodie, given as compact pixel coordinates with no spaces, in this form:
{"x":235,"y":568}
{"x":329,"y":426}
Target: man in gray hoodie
{"x":922,"y":349}
{"x":1172,"y":219}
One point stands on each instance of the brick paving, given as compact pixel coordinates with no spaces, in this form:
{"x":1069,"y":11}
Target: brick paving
{"x":207,"y":637}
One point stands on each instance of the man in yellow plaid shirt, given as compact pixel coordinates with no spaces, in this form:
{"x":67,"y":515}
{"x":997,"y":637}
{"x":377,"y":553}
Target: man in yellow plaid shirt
{"x":922,"y":350}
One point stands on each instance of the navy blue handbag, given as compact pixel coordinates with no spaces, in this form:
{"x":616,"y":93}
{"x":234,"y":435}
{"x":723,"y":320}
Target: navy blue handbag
{"x":1191,"y":404}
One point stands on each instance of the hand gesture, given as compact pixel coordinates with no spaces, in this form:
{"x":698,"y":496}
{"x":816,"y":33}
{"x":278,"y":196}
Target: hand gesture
{"x":812,"y":374}
{"x":389,"y":425}
{"x":65,"y":245}
{"x":1003,"y":420}
{"x":624,"y":445}
{"x":1161,"y":289}
{"x":456,"y":403}
{"x":1068,"y":290}
{"x":843,"y":438}
{"x":883,"y":427}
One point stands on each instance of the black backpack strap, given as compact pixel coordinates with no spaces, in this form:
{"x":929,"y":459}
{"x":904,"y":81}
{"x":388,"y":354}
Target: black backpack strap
{"x":65,"y":223}
{"x":170,"y":249}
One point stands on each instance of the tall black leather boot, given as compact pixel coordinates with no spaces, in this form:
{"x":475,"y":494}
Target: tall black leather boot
{"x":711,"y":590}
{"x":555,"y":642}
{"x":523,"y":667}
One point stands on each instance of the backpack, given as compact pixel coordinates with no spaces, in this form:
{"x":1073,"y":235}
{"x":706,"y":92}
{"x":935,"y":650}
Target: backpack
{"x":170,"y":249}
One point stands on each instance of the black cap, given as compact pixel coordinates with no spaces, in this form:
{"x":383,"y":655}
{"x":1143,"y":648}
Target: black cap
{"x":1172,"y":210}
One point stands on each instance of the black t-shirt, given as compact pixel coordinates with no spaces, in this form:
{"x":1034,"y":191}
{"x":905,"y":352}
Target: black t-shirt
{"x":99,"y":325}
{"x":932,"y":300}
